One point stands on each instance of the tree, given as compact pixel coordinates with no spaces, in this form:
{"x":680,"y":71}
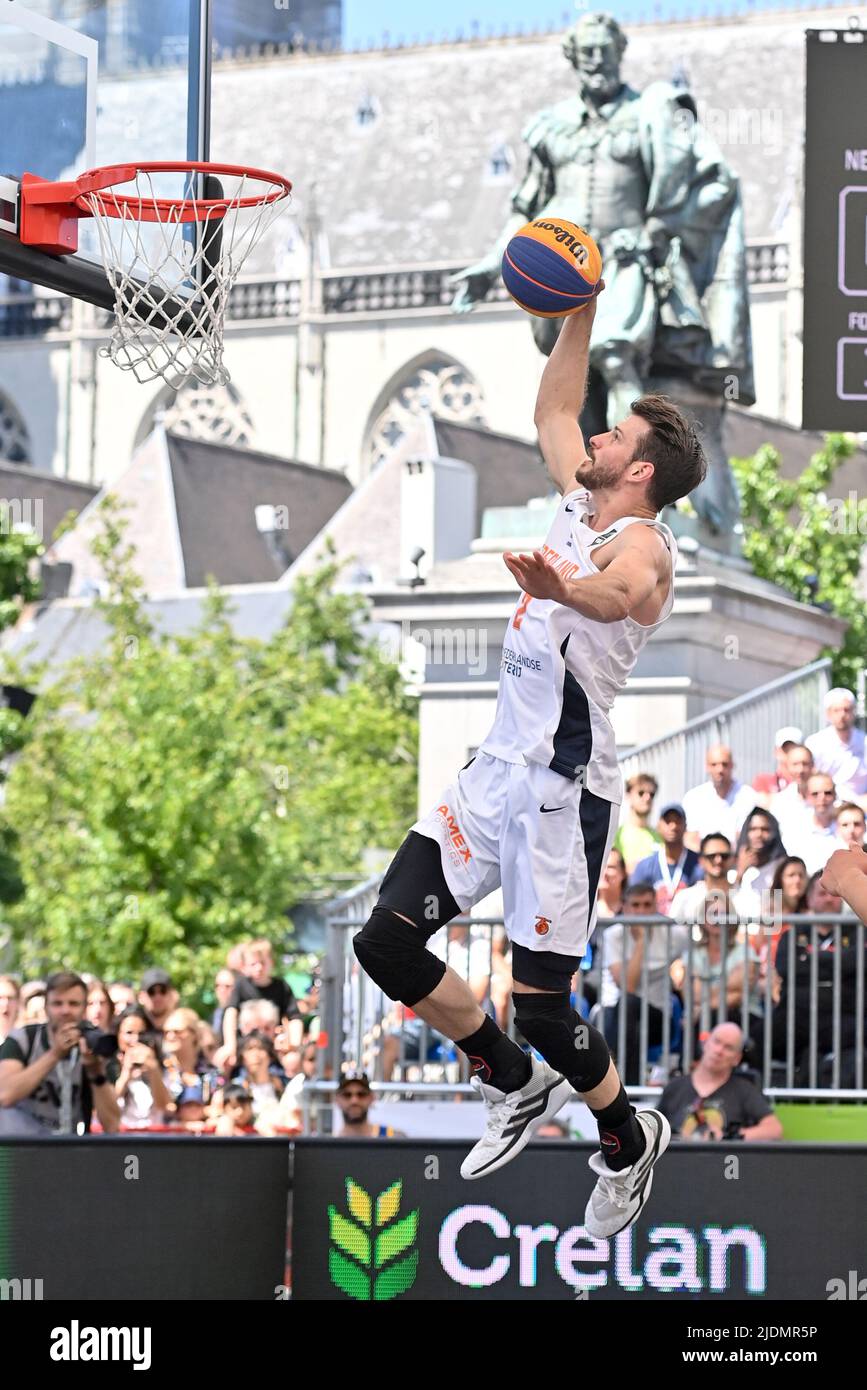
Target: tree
{"x":180,"y":792}
{"x":810,"y":544}
{"x":20,"y":584}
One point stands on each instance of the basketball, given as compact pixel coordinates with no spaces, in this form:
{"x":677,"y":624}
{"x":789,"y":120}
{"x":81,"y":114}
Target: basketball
{"x":551,"y":267}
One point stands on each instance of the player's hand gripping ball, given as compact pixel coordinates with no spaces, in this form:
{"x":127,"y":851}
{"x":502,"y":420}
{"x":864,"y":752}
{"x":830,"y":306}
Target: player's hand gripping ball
{"x":551,"y":268}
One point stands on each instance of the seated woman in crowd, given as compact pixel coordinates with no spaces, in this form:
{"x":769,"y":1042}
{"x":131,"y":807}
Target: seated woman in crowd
{"x":788,"y":898}
{"x":99,"y":1009}
{"x":260,"y":1072}
{"x":758,"y":855}
{"x":137,"y":1074}
{"x":609,"y":899}
{"x":820,"y":953}
{"x":187,"y":1068}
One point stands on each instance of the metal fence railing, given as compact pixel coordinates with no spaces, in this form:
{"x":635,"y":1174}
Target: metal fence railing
{"x":747,"y":725}
{"x":794,"y":988}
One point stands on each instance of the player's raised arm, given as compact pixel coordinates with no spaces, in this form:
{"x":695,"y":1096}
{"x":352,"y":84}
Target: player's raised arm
{"x":561,"y":397}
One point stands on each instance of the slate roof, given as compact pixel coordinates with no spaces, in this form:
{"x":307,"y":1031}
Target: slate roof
{"x":217,"y":488}
{"x":58,"y":496}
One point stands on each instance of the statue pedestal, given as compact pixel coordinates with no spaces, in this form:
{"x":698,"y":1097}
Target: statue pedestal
{"x":729,"y":634}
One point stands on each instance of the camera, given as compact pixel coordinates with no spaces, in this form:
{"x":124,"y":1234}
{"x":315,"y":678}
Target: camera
{"x":101,"y":1044}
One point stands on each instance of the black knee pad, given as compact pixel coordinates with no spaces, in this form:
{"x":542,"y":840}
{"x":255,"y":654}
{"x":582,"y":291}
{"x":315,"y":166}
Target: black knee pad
{"x":569,"y":1044}
{"x":393,"y":953}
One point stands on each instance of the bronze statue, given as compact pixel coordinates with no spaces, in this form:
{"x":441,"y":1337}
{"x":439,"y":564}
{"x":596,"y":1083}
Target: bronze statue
{"x":650,"y":185}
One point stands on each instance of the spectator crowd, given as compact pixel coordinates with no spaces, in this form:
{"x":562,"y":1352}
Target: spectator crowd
{"x":732,"y":868}
{"x":77,"y":1053}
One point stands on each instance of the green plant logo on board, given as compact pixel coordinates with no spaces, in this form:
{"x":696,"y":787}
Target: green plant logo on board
{"x":372,"y":1253}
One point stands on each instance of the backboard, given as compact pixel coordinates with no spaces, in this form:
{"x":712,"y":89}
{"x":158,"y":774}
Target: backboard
{"x":95,"y":82}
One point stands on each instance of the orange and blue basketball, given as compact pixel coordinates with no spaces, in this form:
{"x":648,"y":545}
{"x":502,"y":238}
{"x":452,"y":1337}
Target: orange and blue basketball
{"x":551,"y":267}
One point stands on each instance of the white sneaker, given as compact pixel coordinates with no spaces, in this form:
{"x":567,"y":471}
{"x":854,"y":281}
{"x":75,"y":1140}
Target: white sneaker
{"x":617,"y":1198}
{"x":513,"y":1118}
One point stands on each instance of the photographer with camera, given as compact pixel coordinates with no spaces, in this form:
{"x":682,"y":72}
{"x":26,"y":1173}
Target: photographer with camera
{"x":52,"y":1074}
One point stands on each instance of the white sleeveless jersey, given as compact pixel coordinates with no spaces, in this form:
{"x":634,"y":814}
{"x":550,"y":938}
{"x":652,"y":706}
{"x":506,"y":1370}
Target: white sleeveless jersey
{"x":560,"y":671}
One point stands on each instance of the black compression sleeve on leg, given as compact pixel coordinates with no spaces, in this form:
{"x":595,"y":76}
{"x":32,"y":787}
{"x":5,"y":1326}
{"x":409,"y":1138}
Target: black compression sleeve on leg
{"x":393,"y":954}
{"x":568,"y":1043}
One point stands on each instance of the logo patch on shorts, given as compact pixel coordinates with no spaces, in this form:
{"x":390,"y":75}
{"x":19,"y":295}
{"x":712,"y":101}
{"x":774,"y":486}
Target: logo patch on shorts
{"x":457,"y":839}
{"x":543,"y":926}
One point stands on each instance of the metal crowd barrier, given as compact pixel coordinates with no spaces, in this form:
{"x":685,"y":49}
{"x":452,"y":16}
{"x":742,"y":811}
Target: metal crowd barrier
{"x":401,"y":1053}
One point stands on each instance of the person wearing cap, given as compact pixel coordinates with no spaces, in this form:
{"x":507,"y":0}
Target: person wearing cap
{"x":840,"y":749}
{"x":767,"y":784}
{"x":353,"y":1098}
{"x":672,"y":867}
{"x":158,"y":997}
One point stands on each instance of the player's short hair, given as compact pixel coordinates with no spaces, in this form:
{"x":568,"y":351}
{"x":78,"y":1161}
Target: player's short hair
{"x":672,"y":445}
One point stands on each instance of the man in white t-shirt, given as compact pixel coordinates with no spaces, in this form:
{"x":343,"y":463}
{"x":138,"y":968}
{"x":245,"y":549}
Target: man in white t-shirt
{"x":792,"y":805}
{"x":816,"y":840}
{"x":716,"y":858}
{"x":850,"y":827}
{"x":722,"y":803}
{"x":839,"y":748}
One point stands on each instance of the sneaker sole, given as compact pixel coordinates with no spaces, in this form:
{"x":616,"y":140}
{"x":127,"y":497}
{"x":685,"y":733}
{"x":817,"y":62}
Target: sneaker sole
{"x":558,"y":1094}
{"x":663,"y":1139}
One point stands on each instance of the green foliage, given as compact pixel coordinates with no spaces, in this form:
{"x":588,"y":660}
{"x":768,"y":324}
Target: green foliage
{"x":19,"y":579}
{"x":20,"y":551}
{"x":807,"y":542}
{"x":177,"y":793}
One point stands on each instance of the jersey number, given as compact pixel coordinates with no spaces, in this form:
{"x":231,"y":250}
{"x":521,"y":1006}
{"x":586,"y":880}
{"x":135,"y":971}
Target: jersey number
{"x":526,"y":600}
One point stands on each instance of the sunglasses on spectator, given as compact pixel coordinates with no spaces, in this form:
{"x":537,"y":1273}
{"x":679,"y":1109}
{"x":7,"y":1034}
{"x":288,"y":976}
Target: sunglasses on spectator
{"x":718,"y":854}
{"x":158,"y":989}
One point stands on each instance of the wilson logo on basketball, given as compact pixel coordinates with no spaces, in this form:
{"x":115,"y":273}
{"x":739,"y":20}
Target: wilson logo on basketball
{"x":543,"y":926}
{"x":564,"y":237}
{"x":455,"y":835}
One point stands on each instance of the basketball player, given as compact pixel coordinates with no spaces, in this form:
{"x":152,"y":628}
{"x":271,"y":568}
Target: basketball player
{"x":536,"y":810}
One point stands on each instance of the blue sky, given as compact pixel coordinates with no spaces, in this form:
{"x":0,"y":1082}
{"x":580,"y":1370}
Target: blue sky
{"x":370,"y":19}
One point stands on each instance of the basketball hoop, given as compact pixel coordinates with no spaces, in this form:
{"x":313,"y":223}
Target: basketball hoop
{"x":171,"y":261}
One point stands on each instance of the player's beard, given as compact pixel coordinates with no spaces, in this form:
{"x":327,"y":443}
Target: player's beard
{"x":595,"y":475}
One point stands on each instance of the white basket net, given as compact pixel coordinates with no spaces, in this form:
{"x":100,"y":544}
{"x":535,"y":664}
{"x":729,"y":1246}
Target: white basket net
{"x":172,"y":279}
